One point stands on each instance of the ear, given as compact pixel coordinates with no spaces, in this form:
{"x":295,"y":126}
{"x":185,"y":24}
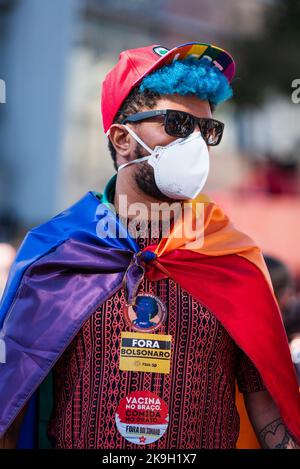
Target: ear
{"x":123,"y":143}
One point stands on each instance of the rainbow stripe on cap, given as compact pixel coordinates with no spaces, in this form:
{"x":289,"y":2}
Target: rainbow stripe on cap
{"x":219,"y":57}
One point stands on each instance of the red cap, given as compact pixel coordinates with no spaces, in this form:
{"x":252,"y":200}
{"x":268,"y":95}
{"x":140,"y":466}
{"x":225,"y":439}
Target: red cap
{"x":135,"y":64}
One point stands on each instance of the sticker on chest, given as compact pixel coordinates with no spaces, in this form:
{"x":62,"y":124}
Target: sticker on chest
{"x":142,"y":417}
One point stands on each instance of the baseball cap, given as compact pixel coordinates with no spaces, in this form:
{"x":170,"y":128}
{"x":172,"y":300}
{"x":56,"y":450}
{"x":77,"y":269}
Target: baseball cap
{"x":135,"y":64}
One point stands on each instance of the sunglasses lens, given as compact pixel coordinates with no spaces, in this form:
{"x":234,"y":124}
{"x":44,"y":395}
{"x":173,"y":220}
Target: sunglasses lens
{"x":211,"y":131}
{"x":179,"y":124}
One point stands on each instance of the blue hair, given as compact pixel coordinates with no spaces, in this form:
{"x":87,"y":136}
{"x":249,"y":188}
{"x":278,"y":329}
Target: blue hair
{"x":190,"y":77}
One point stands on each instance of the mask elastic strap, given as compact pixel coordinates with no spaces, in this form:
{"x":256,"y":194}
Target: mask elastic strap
{"x":137,"y":138}
{"x":138,"y":160}
{"x":140,"y":141}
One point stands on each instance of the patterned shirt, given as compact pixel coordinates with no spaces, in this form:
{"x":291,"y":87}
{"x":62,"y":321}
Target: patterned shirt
{"x":199,"y":390}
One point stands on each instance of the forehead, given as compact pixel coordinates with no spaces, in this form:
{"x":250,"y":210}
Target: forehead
{"x":190,"y":104}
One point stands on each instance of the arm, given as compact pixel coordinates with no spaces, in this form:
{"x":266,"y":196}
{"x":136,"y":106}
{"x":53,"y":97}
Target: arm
{"x":267,"y":423}
{"x":10,"y":439}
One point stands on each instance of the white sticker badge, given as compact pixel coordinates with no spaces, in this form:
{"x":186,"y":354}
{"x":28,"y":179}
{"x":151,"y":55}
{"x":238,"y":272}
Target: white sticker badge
{"x":142,"y":417}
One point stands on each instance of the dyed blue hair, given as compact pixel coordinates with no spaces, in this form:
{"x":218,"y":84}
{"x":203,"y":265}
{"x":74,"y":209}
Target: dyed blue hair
{"x":189,"y":77}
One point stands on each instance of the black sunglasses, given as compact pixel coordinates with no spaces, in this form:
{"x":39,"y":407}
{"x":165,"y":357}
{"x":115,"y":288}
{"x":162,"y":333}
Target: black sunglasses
{"x":181,"y":124}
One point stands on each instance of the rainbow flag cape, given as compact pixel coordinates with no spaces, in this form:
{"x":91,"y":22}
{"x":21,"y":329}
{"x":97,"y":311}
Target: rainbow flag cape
{"x":70,"y":265}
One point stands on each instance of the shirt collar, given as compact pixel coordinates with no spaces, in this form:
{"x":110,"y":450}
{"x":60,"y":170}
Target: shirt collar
{"x":109,"y":191}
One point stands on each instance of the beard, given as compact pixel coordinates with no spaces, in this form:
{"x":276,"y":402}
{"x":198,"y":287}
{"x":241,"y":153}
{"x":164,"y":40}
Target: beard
{"x":144,"y":178}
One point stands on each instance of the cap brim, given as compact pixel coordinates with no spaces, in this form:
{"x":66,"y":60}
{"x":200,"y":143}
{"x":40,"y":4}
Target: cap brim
{"x":219,"y":57}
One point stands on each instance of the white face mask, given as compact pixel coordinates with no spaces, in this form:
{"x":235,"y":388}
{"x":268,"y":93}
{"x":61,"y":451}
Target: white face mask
{"x":180,"y":168}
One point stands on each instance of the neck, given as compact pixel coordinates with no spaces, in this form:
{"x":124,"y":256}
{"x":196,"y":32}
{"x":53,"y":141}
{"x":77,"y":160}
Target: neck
{"x":128,"y":193}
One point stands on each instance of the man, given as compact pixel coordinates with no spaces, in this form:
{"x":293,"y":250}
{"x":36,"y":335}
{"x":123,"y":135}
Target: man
{"x":78,"y":278}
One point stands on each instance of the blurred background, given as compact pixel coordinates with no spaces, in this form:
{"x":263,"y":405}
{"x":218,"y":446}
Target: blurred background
{"x":53,"y":58}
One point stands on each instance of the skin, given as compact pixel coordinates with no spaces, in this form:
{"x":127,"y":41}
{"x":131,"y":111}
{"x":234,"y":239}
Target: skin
{"x":267,"y":422}
{"x":152,"y":133}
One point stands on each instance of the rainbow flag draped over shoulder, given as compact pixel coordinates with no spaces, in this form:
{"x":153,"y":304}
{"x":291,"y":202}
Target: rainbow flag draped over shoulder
{"x":66,"y":268}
